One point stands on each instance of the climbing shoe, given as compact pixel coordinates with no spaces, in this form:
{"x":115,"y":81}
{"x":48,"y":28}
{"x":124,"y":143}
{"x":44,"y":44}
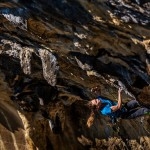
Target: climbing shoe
{"x":147,"y":113}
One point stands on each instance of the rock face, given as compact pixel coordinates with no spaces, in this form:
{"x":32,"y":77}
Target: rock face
{"x":52,"y":53}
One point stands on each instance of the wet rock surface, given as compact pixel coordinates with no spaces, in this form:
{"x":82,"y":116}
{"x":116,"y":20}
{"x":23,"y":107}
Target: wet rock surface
{"x":52,"y":53}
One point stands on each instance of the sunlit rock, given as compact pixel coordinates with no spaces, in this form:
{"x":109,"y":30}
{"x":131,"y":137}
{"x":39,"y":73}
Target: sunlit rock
{"x":53,"y":53}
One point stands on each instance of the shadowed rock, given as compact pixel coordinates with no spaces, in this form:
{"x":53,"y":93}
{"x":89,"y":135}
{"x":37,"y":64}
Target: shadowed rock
{"x":52,"y":53}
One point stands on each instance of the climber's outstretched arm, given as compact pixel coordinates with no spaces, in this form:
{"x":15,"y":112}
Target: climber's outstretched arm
{"x":119,"y":104}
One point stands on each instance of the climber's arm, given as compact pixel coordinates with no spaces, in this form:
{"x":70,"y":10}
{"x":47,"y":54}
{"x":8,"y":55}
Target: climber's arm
{"x":119,"y":104}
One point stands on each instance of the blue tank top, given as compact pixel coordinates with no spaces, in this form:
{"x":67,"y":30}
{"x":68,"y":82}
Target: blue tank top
{"x":106,"y":110}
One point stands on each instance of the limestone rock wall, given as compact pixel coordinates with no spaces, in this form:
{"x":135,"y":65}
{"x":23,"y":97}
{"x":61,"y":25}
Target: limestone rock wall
{"x":53,"y":52}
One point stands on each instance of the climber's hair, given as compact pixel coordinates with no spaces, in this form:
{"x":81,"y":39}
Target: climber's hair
{"x":92,"y":107}
{"x":91,"y":117}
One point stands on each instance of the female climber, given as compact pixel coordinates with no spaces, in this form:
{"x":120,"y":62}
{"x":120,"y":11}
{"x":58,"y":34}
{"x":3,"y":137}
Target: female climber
{"x":114,"y":110}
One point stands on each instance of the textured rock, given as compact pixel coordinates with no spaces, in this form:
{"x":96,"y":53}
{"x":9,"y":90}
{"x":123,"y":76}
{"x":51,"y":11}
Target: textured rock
{"x":53,"y":52}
